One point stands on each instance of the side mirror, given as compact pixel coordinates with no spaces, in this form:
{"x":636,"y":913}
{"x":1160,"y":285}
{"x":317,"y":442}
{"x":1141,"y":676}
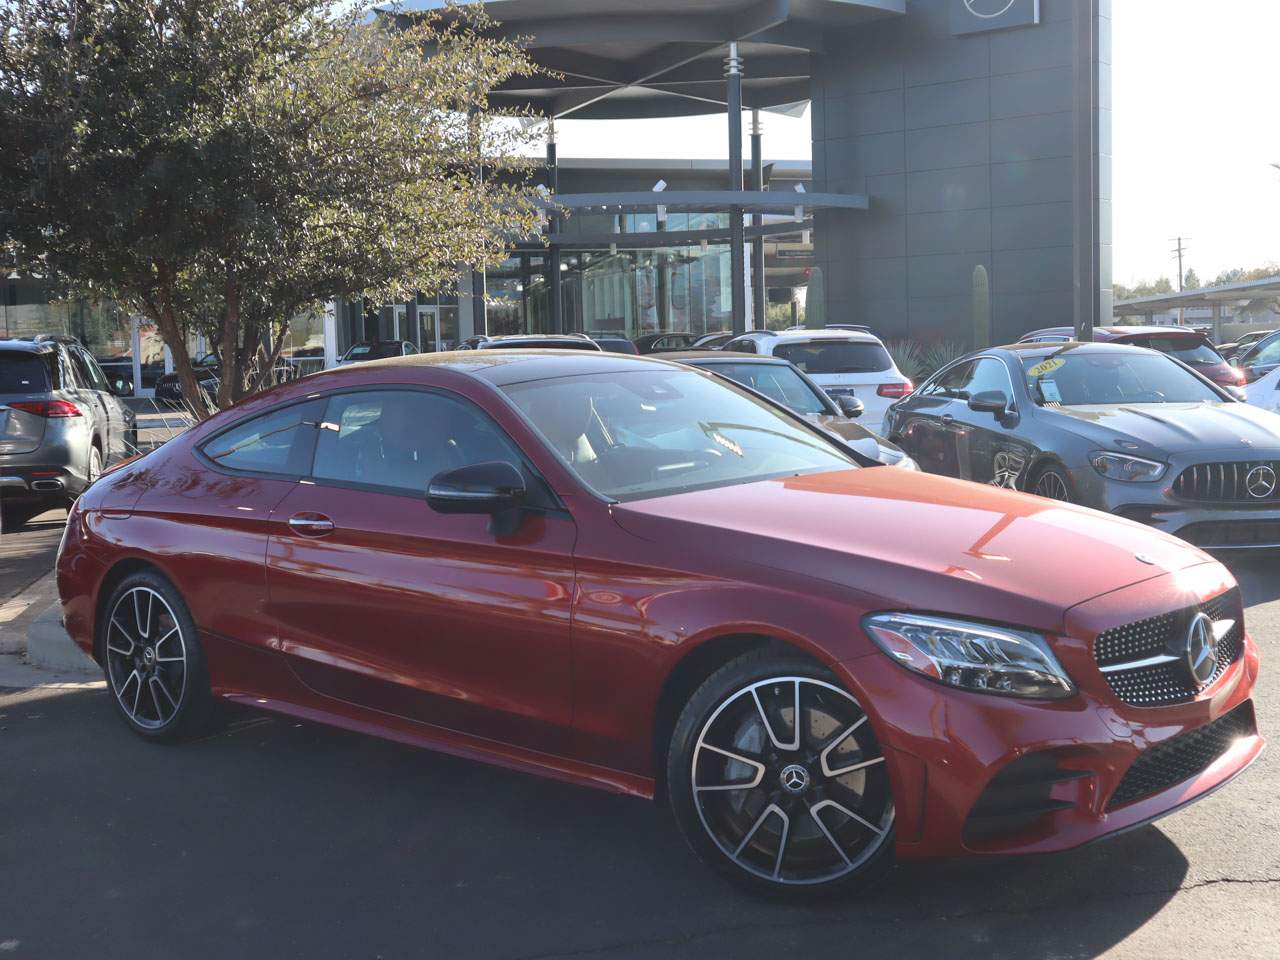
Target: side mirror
{"x":495,"y":488}
{"x":989,"y":401}
{"x":122,"y":386}
{"x":851,"y":407}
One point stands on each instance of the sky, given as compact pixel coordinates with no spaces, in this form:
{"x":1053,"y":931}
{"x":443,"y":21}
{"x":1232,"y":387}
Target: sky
{"x":1196,"y":127}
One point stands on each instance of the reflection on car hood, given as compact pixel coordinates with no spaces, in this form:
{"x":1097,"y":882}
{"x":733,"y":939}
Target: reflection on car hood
{"x":1175,"y":427}
{"x":914,"y":541}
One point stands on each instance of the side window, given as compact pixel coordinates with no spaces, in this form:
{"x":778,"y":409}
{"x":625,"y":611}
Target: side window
{"x":951,"y":382}
{"x":279,"y":442}
{"x":74,"y":373}
{"x":95,"y":377}
{"x":741,"y":346}
{"x":1269,"y":352}
{"x":988,"y":376}
{"x":401,"y":439}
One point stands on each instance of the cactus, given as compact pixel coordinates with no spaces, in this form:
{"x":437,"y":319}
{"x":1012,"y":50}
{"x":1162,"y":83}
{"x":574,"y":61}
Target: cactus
{"x":981,"y":308}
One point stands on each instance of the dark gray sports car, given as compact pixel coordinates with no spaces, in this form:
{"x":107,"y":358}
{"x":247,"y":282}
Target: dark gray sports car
{"x":1118,"y":428}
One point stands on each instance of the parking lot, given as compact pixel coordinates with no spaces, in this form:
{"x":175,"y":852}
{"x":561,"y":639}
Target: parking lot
{"x":275,"y":838}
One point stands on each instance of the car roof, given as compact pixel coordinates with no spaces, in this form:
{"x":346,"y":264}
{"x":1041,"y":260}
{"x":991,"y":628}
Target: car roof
{"x":1150,"y":331}
{"x":806,"y":335}
{"x":503,"y":367}
{"x":27,"y":346}
{"x":723,"y":356}
{"x":1020,"y":351}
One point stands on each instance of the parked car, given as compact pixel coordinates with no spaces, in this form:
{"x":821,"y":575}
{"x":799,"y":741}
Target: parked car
{"x":121,"y":368}
{"x":1122,"y":429}
{"x":1265,"y":391}
{"x":168,"y":389}
{"x":1260,"y":359}
{"x":633,"y":576}
{"x":532,"y":341}
{"x":782,"y":382}
{"x":1193,"y":347}
{"x":665,"y":342}
{"x":378,"y":350}
{"x":842,"y":362}
{"x":615,"y":345}
{"x":61,"y":423}
{"x":711,"y":341}
{"x":1230,"y":351}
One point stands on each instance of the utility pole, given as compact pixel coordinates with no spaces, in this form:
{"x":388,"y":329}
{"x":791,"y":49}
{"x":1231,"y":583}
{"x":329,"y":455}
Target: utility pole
{"x":1178,"y":251}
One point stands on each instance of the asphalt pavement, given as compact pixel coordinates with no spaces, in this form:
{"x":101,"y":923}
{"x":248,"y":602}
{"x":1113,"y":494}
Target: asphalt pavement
{"x":276,"y":838}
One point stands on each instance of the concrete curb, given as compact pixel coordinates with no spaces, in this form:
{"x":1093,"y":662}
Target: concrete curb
{"x":21,"y":610}
{"x":50,"y":648}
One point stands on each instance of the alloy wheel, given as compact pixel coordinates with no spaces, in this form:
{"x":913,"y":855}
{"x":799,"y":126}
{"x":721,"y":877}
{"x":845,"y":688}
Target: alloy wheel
{"x":1052,"y":485}
{"x":789,"y":782}
{"x":146,"y":658}
{"x":95,"y":464}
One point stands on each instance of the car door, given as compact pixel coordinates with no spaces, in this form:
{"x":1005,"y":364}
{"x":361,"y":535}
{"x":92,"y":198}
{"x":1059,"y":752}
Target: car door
{"x":989,"y":447}
{"x":382,"y":602}
{"x":117,"y":417}
{"x":925,"y":423}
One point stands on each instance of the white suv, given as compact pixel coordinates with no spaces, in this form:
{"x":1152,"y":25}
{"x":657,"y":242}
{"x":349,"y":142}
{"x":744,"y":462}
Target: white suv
{"x":840,"y":361}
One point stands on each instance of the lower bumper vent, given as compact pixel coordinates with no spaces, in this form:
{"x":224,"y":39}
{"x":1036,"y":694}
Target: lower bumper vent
{"x":1183,"y":757}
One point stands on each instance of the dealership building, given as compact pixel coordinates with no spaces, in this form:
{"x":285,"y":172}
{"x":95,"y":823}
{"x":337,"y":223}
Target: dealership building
{"x":957,"y":184}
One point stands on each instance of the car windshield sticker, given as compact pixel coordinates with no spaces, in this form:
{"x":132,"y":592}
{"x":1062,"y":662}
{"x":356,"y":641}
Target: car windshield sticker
{"x":1045,"y":367}
{"x":1049,"y":390}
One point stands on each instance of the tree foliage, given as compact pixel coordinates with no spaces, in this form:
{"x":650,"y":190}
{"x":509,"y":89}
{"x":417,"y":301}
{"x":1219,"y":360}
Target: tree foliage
{"x":222,"y":165}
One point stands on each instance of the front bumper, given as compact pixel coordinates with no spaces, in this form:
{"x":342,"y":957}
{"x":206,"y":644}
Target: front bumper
{"x":945,"y":748}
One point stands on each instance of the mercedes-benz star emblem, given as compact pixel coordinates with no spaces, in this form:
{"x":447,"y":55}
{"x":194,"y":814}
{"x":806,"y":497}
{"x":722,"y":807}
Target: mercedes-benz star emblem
{"x":1202,"y":649}
{"x":1261,"y":482}
{"x":989,"y":9}
{"x":795,"y":778}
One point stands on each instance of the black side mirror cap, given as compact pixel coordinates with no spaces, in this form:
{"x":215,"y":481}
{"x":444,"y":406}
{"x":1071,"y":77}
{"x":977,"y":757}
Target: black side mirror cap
{"x":495,"y":488}
{"x":851,"y":407}
{"x":989,"y":401}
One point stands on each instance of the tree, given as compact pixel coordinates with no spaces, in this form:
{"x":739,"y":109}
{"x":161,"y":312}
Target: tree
{"x":1191,"y":281}
{"x":221,"y":165}
{"x":1143,"y":288}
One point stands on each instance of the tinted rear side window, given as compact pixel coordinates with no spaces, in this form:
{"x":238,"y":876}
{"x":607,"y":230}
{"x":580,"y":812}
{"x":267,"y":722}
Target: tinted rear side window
{"x":280,"y":442}
{"x":23,"y":373}
{"x":836,"y":356}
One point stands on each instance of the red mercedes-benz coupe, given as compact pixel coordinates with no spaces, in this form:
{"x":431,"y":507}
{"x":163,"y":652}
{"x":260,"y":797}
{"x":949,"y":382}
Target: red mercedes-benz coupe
{"x":633,"y":575}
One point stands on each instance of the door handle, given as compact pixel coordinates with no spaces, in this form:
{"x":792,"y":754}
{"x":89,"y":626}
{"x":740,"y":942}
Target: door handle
{"x":311,"y":524}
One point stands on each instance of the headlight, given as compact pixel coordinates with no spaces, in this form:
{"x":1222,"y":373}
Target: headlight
{"x":1119,"y":466}
{"x":972,"y":656}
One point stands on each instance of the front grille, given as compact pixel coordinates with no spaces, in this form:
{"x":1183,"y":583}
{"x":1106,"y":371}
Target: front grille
{"x":1226,"y":534}
{"x":1230,"y":482}
{"x":1169,"y":681}
{"x":1180,"y":758}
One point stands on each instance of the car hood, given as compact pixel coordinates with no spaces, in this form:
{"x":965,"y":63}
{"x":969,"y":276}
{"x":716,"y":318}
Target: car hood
{"x":1170,"y":428}
{"x":905,"y":540}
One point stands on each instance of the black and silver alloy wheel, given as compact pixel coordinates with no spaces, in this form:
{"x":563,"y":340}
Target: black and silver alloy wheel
{"x":146,"y":658}
{"x":152,"y":659}
{"x":1053,"y":485}
{"x":788,"y":783}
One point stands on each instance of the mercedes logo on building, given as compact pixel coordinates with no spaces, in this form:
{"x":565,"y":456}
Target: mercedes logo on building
{"x":989,"y":9}
{"x":1261,"y":482}
{"x":1202,"y":649}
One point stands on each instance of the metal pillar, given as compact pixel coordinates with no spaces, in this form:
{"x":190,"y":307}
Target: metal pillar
{"x":1086,"y":238}
{"x":759,"y":285}
{"x":737,"y":240}
{"x":555,"y":289}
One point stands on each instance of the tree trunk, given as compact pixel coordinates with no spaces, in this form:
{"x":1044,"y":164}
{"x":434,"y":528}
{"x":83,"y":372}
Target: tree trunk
{"x":229,"y":352}
{"x":266,"y":373}
{"x":171,"y":332}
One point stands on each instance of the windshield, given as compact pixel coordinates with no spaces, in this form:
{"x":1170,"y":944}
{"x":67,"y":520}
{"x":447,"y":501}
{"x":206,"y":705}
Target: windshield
{"x":835,"y":356}
{"x":775,"y":381}
{"x":1077,"y":379}
{"x":373,"y":351}
{"x":651,"y":433}
{"x":1186,"y":350}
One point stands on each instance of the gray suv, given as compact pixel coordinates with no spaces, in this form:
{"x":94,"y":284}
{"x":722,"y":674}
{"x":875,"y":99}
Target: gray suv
{"x":61,"y":422}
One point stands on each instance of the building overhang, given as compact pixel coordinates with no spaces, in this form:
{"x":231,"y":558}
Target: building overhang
{"x":664,"y":58}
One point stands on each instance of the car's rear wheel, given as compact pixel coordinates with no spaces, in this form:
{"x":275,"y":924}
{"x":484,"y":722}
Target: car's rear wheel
{"x":1053,"y":483}
{"x":95,"y":465}
{"x":153,"y":661}
{"x":777,"y":779}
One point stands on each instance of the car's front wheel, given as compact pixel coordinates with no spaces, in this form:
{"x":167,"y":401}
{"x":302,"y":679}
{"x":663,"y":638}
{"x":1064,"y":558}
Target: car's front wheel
{"x":153,"y":660}
{"x":777,"y":779}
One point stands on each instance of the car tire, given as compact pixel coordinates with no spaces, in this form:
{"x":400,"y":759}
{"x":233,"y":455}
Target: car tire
{"x":95,"y":465}
{"x":1053,"y":482}
{"x":153,"y":661}
{"x":781,"y":811}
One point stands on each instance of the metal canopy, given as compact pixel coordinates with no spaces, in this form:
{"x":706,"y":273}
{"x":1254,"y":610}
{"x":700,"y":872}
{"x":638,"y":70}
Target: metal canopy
{"x":624,"y":59}
{"x":1267,"y":289}
{"x":700,"y":201}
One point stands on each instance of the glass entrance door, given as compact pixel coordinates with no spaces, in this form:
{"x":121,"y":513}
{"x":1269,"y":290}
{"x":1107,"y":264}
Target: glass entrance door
{"x":428,"y":328}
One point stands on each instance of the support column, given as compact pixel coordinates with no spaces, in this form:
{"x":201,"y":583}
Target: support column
{"x":330,"y":334}
{"x":555,"y":289}
{"x":1086,"y":241}
{"x":1217,"y":321}
{"x":737,"y":240}
{"x":759,"y":284}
